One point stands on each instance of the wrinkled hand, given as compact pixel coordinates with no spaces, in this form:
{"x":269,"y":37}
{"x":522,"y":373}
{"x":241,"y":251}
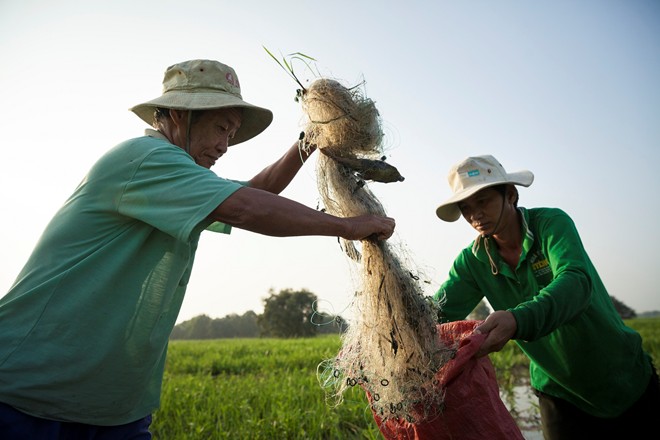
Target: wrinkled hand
{"x":500,"y":327}
{"x":370,"y":227}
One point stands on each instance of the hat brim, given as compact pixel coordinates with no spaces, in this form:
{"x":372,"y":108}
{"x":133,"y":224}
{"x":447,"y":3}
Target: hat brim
{"x":449,"y":212}
{"x":255,"y":119}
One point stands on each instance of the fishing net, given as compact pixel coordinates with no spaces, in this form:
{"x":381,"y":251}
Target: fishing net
{"x":391,"y":348}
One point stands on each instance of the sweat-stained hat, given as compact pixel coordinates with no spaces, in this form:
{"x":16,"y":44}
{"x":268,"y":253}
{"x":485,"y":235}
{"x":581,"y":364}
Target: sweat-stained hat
{"x":206,"y":85}
{"x":474,"y":174}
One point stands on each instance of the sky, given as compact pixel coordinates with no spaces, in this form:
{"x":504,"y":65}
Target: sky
{"x":569,"y":90}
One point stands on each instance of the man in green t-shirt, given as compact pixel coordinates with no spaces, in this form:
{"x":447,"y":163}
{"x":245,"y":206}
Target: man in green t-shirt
{"x":84,"y":328}
{"x":588,"y":368}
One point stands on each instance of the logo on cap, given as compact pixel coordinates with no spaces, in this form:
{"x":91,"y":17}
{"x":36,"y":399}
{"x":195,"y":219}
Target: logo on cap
{"x":232,"y":80}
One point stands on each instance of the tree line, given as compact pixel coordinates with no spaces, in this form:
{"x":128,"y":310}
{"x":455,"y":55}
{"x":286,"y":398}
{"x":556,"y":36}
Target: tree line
{"x":287,"y":314}
{"x":292,"y":314}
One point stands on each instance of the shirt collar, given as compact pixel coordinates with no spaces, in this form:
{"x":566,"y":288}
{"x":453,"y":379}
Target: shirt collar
{"x":528,"y":235}
{"x":155,"y":134}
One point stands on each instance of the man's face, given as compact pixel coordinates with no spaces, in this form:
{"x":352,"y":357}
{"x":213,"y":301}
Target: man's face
{"x":210,"y":135}
{"x":482,"y":210}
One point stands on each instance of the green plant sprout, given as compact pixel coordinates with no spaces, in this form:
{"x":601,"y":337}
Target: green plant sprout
{"x":288,"y":68}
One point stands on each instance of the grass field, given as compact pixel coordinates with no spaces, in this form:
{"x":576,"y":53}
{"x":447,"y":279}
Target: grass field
{"x":268,"y":389}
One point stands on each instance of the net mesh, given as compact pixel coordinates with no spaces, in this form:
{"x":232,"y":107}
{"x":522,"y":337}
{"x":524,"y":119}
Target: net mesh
{"x":390,"y":348}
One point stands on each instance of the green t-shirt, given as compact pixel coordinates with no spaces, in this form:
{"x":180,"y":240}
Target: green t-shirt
{"x":84,"y":328}
{"x":579,"y":348}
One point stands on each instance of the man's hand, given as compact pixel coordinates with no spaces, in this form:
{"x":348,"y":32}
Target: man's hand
{"x":370,"y":227}
{"x":500,"y":326}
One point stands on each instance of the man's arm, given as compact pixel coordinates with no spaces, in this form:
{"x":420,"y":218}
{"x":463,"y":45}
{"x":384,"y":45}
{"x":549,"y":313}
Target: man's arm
{"x":269,"y":214}
{"x":275,"y":177}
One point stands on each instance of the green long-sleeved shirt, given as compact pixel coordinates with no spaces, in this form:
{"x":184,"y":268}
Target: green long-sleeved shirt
{"x":580,"y":349}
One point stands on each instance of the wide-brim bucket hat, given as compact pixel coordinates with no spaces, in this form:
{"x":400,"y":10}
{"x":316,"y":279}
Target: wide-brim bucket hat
{"x":206,"y":85}
{"x":473,"y":174}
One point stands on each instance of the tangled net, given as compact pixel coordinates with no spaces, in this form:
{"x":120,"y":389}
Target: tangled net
{"x":391,"y":349}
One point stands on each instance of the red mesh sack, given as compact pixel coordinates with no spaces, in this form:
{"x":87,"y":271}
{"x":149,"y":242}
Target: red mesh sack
{"x":472,"y":406}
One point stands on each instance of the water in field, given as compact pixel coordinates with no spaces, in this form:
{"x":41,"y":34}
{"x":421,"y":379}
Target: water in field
{"x":533,"y":435}
{"x":523,"y":405}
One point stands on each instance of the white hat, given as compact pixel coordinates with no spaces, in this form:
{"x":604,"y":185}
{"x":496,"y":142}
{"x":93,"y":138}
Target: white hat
{"x":206,"y":85}
{"x":474,"y":174}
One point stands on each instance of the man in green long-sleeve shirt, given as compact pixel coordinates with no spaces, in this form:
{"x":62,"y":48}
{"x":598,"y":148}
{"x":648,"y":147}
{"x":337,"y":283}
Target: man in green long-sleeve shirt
{"x":588,"y":368}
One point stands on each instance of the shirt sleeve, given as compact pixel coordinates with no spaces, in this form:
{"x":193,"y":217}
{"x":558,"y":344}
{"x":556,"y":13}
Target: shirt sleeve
{"x":569,"y":292}
{"x":460,"y":293}
{"x":169,"y":191}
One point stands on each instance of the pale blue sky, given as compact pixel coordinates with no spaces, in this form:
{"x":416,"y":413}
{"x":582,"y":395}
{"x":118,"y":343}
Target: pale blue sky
{"x":567,"y":89}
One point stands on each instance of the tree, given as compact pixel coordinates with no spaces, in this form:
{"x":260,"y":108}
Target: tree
{"x":288,"y":314}
{"x":329,"y":324}
{"x":231,"y":326}
{"x":235,"y":326}
{"x":200,"y":327}
{"x":624,"y":311}
{"x":247,"y":326}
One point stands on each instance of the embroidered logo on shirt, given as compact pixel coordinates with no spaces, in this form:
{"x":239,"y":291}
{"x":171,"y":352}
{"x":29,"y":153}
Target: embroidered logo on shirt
{"x":541,"y":268}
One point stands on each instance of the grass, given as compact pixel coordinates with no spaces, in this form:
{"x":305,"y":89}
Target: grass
{"x":268,"y":389}
{"x":257,"y":389}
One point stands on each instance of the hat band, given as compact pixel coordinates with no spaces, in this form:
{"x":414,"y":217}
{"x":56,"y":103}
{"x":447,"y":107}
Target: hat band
{"x":193,"y":89}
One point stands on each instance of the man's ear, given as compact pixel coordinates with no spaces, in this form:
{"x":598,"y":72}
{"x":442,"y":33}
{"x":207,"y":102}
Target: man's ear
{"x":179,"y":117}
{"x":511,"y":194}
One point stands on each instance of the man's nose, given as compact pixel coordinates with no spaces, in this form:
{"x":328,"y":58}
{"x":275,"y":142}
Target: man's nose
{"x":477,"y":214}
{"x":222,"y":145}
